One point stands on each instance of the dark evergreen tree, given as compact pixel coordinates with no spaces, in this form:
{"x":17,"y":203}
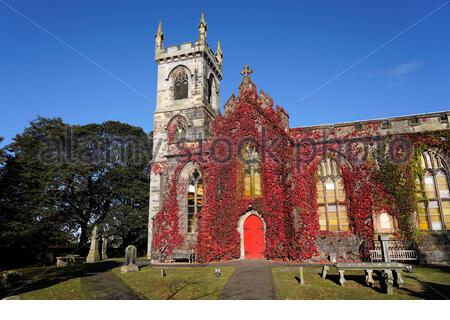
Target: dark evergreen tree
{"x":59,"y":180}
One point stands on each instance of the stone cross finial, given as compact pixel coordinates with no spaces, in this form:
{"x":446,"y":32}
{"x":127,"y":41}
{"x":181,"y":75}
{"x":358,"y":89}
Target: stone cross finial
{"x":246,"y":71}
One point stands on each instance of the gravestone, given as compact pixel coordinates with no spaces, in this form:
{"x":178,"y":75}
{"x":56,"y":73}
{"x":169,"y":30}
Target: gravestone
{"x":104,"y":247}
{"x":130,"y":260}
{"x":94,"y":255}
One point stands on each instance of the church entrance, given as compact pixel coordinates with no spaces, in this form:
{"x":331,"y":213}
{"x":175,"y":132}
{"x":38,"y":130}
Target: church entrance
{"x":253,"y":237}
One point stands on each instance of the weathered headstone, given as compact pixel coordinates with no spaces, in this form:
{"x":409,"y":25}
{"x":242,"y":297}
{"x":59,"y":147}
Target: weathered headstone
{"x":130,"y":260}
{"x":94,"y":255}
{"x":104,"y":248}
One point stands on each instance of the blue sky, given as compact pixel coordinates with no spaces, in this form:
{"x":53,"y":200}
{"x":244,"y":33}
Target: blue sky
{"x":294,"y":48}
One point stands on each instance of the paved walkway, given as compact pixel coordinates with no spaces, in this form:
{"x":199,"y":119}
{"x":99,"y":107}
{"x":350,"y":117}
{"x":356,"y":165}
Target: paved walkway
{"x":102,"y":284}
{"x":251,"y":280}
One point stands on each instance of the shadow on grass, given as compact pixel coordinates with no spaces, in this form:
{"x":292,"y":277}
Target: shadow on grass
{"x":429,"y":290}
{"x":176,"y":291}
{"x":358,"y":278}
{"x":426,"y":290}
{"x":36,"y":278}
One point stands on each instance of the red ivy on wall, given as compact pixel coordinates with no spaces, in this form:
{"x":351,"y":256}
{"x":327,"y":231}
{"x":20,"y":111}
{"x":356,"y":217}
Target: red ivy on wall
{"x":289,"y":204}
{"x":166,"y":224}
{"x":250,"y":122}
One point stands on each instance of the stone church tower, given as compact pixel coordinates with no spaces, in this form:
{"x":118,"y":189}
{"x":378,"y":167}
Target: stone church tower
{"x":188,"y":91}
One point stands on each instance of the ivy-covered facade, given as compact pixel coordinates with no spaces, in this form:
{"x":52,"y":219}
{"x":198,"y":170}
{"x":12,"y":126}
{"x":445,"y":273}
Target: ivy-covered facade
{"x":243,"y":184}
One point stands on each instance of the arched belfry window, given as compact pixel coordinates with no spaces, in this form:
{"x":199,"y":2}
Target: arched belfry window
{"x":251,"y":171}
{"x":180,"y":132}
{"x":210,"y":89}
{"x":331,"y":197}
{"x":177,"y":128}
{"x":195,"y":196}
{"x":181,"y":86}
{"x":434,"y":211}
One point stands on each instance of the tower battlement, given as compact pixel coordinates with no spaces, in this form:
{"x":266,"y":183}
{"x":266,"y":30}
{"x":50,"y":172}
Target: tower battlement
{"x":189,"y":50}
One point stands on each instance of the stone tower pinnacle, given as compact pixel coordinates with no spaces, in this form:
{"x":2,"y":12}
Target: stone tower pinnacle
{"x":219,"y":53}
{"x":202,"y":28}
{"x":159,"y":37}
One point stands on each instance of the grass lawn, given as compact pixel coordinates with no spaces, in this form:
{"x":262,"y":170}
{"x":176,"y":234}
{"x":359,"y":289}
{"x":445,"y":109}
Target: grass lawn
{"x":38,"y":278}
{"x":66,"y":290}
{"x":422,"y":283}
{"x":51,"y":282}
{"x":179,"y":283}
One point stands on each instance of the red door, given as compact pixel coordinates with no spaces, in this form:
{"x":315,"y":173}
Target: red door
{"x":253,"y":238}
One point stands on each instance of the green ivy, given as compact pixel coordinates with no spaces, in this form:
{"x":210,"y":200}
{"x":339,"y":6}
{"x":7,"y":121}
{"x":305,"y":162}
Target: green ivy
{"x":399,"y":181}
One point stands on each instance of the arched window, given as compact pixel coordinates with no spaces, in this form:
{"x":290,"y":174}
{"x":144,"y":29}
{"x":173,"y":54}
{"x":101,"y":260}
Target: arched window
{"x":181,"y":86}
{"x":251,"y":171}
{"x":177,"y":129}
{"x":180,"y":132}
{"x":384,"y":223}
{"x":434,"y":212}
{"x":331,"y":197}
{"x":210,"y":89}
{"x":195,"y":195}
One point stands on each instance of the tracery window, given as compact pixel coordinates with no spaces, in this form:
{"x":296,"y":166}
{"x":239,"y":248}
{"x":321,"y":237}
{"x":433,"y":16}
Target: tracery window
{"x":331,"y":197}
{"x":195,"y":196}
{"x":251,"y":171}
{"x":181,"y":86}
{"x":434,"y":211}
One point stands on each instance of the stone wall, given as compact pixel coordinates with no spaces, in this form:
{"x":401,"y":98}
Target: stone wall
{"x":345,"y":248}
{"x":434,"y":248}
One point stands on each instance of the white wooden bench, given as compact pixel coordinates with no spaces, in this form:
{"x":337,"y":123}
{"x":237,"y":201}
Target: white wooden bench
{"x":394,"y":255}
{"x":180,"y":254}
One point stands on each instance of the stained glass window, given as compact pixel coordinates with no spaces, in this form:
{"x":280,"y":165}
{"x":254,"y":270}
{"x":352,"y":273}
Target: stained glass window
{"x":434,"y":212}
{"x":331,"y":197}
{"x":195,"y":196}
{"x":251,"y":172}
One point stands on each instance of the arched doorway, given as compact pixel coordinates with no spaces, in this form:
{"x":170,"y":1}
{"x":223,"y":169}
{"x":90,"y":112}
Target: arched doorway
{"x":253,"y":237}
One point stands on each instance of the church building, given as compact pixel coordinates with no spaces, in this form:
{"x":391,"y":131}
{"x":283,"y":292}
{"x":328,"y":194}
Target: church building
{"x":243,"y":184}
